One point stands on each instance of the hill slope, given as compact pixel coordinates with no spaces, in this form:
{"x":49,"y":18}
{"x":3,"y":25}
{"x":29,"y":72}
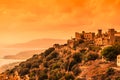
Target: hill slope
{"x":61,"y":62}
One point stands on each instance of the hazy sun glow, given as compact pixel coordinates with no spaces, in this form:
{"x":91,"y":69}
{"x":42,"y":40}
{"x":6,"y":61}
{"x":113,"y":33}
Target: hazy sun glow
{"x":24,"y":20}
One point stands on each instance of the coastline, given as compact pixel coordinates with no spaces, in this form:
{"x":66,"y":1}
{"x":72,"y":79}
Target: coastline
{"x":8,"y":64}
{"x":8,"y":61}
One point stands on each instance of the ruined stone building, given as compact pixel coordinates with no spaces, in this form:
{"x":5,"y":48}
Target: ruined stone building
{"x":101,"y":39}
{"x":109,"y":38}
{"x":81,"y":36}
{"x":85,"y":36}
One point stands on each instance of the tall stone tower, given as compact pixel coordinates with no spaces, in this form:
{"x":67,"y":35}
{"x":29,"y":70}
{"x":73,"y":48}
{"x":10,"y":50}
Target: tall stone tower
{"x":111,"y":33}
{"x":99,"y":33}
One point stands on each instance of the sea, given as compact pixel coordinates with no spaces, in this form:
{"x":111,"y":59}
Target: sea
{"x":8,"y":61}
{"x":12,"y":51}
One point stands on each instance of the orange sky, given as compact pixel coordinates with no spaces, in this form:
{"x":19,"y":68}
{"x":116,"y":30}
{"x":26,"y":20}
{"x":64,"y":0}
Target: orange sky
{"x":24,"y":20}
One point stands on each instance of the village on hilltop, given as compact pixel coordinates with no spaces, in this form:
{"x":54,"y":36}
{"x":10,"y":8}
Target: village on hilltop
{"x":100,"y":39}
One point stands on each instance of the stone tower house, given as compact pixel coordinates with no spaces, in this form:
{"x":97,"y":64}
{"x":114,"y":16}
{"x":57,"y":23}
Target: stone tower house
{"x":111,"y":33}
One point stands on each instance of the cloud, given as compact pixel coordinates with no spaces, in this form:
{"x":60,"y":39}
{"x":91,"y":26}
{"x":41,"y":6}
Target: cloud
{"x":17,"y":16}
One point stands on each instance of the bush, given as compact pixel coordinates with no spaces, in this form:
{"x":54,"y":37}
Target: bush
{"x":64,"y":65}
{"x":52,"y":55}
{"x":42,"y":76}
{"x":77,"y":57}
{"x":91,"y":56}
{"x":76,"y":70}
{"x":12,"y":71}
{"x":117,"y":47}
{"x":79,"y":79}
{"x":35,"y":56}
{"x":35,"y":65}
{"x":72,"y":63}
{"x":24,"y":71}
{"x":55,"y":65}
{"x":118,"y":78}
{"x":81,"y":41}
{"x":94,"y":48}
{"x":28,"y":65}
{"x":110,"y":71}
{"x":55,"y":75}
{"x":47,"y":52}
{"x":69,"y":76}
{"x":110,"y":53}
{"x":32,"y":75}
{"x":45,"y":64}
{"x":83,"y":51}
{"x":22,"y":64}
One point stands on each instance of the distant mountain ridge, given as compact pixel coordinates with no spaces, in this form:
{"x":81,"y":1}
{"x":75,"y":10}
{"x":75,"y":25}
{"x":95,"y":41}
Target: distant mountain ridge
{"x":38,"y":43}
{"x":23,"y":55}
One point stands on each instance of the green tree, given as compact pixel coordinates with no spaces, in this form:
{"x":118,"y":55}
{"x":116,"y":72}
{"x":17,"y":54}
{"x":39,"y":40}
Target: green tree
{"x":42,"y":76}
{"x":76,"y":70}
{"x":117,"y":47}
{"x":52,"y":55}
{"x":94,"y":48}
{"x":110,"y":71}
{"x":92,"y":56}
{"x":77,"y":57}
{"x":24,"y":71}
{"x":110,"y":53}
{"x":48,"y":51}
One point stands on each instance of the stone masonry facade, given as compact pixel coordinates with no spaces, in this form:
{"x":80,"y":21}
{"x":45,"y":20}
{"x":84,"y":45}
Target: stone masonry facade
{"x":100,"y":39}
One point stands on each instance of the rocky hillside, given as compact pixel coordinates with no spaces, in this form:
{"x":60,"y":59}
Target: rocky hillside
{"x":61,"y":62}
